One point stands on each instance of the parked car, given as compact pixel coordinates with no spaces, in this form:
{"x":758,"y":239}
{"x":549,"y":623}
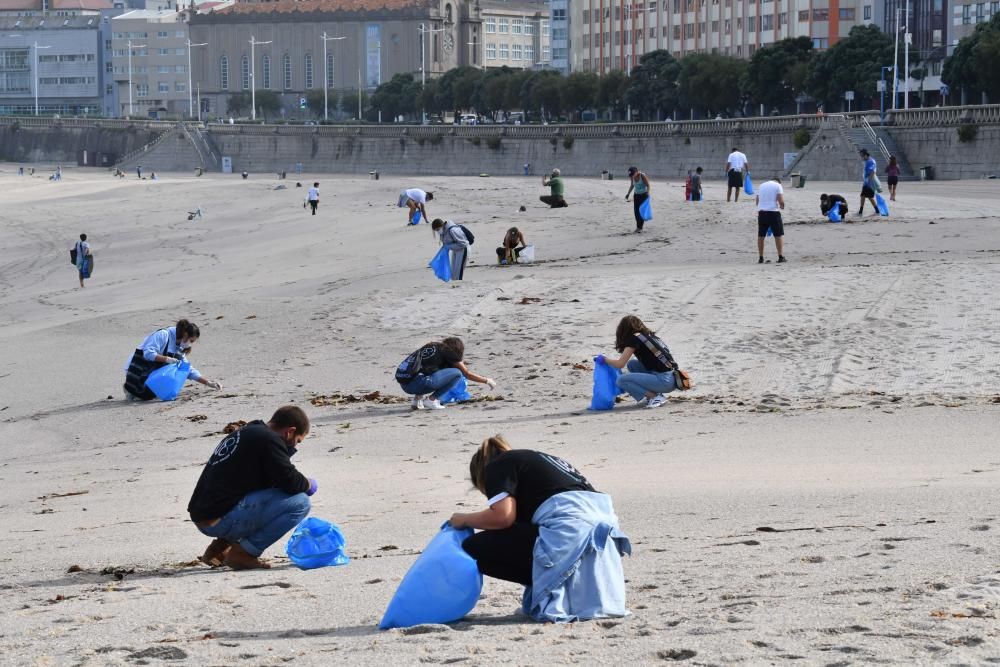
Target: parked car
{"x":469,"y":119}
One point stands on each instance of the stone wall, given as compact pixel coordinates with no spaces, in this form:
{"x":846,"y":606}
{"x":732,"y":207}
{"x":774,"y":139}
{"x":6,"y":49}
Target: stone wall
{"x":55,"y":143}
{"x":940,"y":148}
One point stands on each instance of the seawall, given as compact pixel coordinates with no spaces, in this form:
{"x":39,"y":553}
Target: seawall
{"x":31,"y":140}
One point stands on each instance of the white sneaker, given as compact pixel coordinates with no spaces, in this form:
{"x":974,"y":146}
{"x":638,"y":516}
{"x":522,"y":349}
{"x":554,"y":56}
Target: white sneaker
{"x":417,"y":402}
{"x":433,"y":404}
{"x":657,"y":401}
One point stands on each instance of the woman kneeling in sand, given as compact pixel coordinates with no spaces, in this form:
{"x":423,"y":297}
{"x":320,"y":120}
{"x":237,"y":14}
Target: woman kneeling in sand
{"x":651,"y":373}
{"x":549,"y":530}
{"x":432,"y":370}
{"x":162,"y":347}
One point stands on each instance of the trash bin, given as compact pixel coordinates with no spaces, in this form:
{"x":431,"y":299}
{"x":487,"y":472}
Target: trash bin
{"x":802,"y":181}
{"x":796,"y":180}
{"x":373,"y":175}
{"x":927,"y":173}
{"x":604,"y":175}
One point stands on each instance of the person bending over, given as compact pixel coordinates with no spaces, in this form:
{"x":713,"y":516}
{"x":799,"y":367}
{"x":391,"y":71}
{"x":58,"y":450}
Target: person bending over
{"x":828,"y":202}
{"x":638,"y":182}
{"x":453,"y":238}
{"x":547,"y":529}
{"x":415,"y":200}
{"x":513,"y":241}
{"x":249,"y":493}
{"x":428,"y":373}
{"x":170,"y":345}
{"x":650,"y":375}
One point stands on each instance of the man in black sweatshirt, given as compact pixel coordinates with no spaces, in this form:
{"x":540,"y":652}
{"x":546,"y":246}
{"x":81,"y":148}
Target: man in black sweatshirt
{"x":249,"y":494}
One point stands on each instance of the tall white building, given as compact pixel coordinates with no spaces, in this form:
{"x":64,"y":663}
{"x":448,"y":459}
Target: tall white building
{"x":515,"y":34}
{"x":159,"y":63}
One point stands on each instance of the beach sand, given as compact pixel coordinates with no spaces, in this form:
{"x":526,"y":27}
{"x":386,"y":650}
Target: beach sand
{"x":825,"y":495}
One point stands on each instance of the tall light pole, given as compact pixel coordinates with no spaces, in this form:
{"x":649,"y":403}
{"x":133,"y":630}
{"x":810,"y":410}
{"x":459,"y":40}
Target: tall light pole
{"x":131,"y":110}
{"x":253,"y":81}
{"x":190,"y":89}
{"x":906,"y":57}
{"x":326,"y":75}
{"x":423,"y":63}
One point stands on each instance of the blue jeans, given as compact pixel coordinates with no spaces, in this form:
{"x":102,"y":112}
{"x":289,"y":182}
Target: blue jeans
{"x":638,"y":381}
{"x":260,"y":519}
{"x":437,"y":383}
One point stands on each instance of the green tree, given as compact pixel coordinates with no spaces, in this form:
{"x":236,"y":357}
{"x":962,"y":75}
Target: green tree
{"x":268,"y":103}
{"x":546,"y":97}
{"x":530,"y":101}
{"x":447,"y":97}
{"x":579,"y":91}
{"x":974,"y":66}
{"x":491,"y":92}
{"x":237,"y":104}
{"x":854,"y":63}
{"x":396,"y":97}
{"x":652,"y":86}
{"x":611,"y":91}
{"x":428,"y":97}
{"x":349,"y":102}
{"x":315,"y":101}
{"x":709,"y":83}
{"x":777,"y":73}
{"x":515,"y":84}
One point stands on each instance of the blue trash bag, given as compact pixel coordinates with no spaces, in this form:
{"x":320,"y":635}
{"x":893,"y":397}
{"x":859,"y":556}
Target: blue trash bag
{"x":316,"y":543}
{"x":166,"y":382}
{"x":416,"y":217}
{"x":441,"y":264}
{"x":880,"y":203}
{"x":747,"y":184}
{"x":770,"y":232}
{"x":458,"y":393}
{"x":834,"y":214}
{"x":605,"y":386}
{"x":442,"y":586}
{"x":646,"y":210}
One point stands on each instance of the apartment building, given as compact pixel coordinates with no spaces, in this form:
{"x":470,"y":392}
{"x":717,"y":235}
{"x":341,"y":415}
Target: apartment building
{"x":515,"y":34}
{"x":157,"y":74}
{"x":965,"y":15}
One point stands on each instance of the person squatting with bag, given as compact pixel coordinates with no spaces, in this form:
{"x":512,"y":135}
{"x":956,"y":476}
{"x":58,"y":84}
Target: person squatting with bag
{"x":547,"y":529}
{"x":650,"y":374}
{"x":249,"y":493}
{"x":430,"y":372}
{"x":513,"y":242}
{"x":164,"y":346}
{"x":453,"y":237}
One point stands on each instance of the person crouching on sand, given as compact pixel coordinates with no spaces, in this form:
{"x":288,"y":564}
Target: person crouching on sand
{"x":164,"y":346}
{"x":513,"y":243}
{"x":540,"y":504}
{"x":428,"y":373}
{"x":249,"y":494}
{"x":650,"y":374}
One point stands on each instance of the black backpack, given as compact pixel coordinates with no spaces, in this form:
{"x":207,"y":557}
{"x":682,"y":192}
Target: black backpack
{"x":468,"y":235}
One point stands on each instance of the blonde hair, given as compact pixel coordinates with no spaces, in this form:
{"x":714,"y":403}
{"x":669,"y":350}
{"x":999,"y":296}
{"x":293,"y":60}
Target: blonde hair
{"x":491,"y":448}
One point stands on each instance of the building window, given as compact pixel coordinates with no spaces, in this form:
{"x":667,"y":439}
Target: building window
{"x":504,"y":52}
{"x":980,"y":12}
{"x":586,"y":16}
{"x":142,"y":90}
{"x":545,"y":28}
{"x":163,"y":87}
{"x":504,"y":26}
{"x":783,"y":18}
{"x":245,"y":73}
{"x":868,"y":12}
{"x":529,"y":27}
{"x":180,"y":87}
{"x":329,"y":70}
{"x":995,"y":8}
{"x":558,"y":14}
{"x":821,"y":14}
{"x":109,"y":89}
{"x":109,"y":67}
{"x":224,"y":73}
{"x":546,"y":54}
{"x":652,"y":32}
{"x":803,"y":15}
{"x":715,"y":26}
{"x":529,"y":54}
{"x":107,"y":45}
{"x":286,"y":71}
{"x":491,"y":24}
{"x":516,"y":52}
{"x":161,"y":33}
{"x":309,"y":70}
{"x":966,"y":14}
{"x":751,"y":23}
{"x":265,"y":70}
{"x":847,"y":13}
{"x":677,"y":32}
{"x":491,"y":51}
{"x":162,"y":69}
{"x":768,"y":22}
{"x":517,"y":26}
{"x":820,"y":42}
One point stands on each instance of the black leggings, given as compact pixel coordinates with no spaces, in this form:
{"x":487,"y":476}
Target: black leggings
{"x":505,"y":554}
{"x":637,"y":201}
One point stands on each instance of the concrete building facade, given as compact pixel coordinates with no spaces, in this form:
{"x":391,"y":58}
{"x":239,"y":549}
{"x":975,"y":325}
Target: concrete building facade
{"x":159,"y":63}
{"x":515,"y":34}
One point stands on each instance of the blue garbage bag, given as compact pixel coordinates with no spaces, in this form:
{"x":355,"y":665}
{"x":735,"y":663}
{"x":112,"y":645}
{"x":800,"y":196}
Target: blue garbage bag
{"x":166,"y":382}
{"x":442,"y":264}
{"x":747,"y":184}
{"x":834,"y":214}
{"x":416,"y":217}
{"x":458,"y":393}
{"x":605,"y":386}
{"x":442,"y":586}
{"x":880,"y":203}
{"x":646,"y":209}
{"x":316,"y":543}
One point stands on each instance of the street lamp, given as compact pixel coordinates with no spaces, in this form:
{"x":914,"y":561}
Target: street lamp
{"x":326,"y":74}
{"x":35,"y":47}
{"x":190,"y":90}
{"x":131,"y":110}
{"x":423,"y":63}
{"x":253,"y":82}
{"x":882,"y":91}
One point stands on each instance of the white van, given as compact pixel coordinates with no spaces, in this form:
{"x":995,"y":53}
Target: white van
{"x":469,"y":119}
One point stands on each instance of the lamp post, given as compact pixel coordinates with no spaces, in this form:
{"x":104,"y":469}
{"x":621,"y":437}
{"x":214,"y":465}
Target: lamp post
{"x":326,"y":75}
{"x":907,"y":38}
{"x":423,"y":63}
{"x":882,"y":91}
{"x":190,"y":90}
{"x":131,"y":109}
{"x":253,"y":81}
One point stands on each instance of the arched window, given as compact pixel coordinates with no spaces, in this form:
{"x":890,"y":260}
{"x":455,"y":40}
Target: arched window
{"x":286,"y":71}
{"x":224,"y":73}
{"x":309,"y":70}
{"x":266,"y":71}
{"x":447,"y":14}
{"x":245,"y":73}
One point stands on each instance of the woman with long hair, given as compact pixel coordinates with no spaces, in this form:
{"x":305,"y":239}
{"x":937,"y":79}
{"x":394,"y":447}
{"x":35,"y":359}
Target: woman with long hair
{"x":650,"y":374}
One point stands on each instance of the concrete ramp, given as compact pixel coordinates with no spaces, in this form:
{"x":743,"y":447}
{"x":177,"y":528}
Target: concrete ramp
{"x":174,"y":150}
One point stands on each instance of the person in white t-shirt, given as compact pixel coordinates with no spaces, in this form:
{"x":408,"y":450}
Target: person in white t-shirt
{"x":770,"y":202}
{"x":84,"y":259}
{"x":415,"y":199}
{"x":736,"y":166}
{"x":313,"y":197}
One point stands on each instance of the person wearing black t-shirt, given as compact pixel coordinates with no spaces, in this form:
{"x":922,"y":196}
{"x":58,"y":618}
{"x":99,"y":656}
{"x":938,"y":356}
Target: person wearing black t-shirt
{"x":651,"y":372}
{"x":435,"y":368}
{"x":249,"y":493}
{"x":827,"y":202}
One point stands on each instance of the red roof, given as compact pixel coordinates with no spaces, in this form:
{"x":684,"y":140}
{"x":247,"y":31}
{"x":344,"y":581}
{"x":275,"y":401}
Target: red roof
{"x":93,"y":5}
{"x":325,"y":6}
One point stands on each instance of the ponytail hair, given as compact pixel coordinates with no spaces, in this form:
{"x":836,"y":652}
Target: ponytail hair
{"x":186,"y":329}
{"x":491,"y":448}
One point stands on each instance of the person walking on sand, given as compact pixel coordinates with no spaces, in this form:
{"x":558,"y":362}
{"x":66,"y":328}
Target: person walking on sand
{"x":249,"y":493}
{"x":138,"y":172}
{"x":639,"y":184}
{"x":696,"y":191}
{"x":313,"y":197}
{"x":554,"y":181}
{"x":170,"y":345}
{"x":650,"y":374}
{"x":430,"y":372}
{"x":892,"y":176}
{"x":736,"y":168}
{"x":770,"y":202}
{"x":868,"y":182}
{"x":454,"y":239}
{"x":540,"y":505}
{"x":84,"y":259}
{"x":415,"y":200}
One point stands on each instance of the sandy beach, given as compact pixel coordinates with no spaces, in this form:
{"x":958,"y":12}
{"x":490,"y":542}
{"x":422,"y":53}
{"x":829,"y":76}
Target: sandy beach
{"x":825,"y":495}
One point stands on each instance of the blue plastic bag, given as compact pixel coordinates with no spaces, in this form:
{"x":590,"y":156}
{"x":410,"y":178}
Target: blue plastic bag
{"x":646,"y":210}
{"x":442,"y":586}
{"x":416,"y":217}
{"x":747,"y":184}
{"x":441,"y":264}
{"x":605,"y":386}
{"x":166,"y":382}
{"x":834,"y":214}
{"x":316,"y":543}
{"x":458,"y":393}
{"x":880,"y":203}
